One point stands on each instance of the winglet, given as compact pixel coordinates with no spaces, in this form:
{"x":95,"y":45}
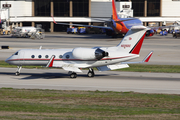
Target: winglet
{"x":50,"y":63}
{"x":146,"y":59}
{"x":53,"y":19}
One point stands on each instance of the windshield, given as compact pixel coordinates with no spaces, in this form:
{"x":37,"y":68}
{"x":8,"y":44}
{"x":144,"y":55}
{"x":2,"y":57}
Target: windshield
{"x":16,"y":53}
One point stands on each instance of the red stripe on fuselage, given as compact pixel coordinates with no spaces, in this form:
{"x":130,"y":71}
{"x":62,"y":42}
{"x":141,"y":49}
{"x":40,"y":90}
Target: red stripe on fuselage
{"x":67,"y":59}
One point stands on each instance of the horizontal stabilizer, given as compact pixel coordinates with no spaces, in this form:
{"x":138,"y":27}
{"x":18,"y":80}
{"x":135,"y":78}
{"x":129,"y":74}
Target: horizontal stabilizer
{"x":70,"y":67}
{"x":50,"y":63}
{"x":146,"y":59}
{"x":112,"y":67}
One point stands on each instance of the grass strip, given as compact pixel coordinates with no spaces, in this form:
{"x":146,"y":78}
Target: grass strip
{"x":132,"y":68}
{"x":59,"y":104}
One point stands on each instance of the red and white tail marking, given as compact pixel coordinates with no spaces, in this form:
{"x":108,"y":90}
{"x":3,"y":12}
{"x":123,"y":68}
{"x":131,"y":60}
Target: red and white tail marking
{"x":50,"y":63}
{"x":148,"y":57}
{"x":137,"y":47}
{"x":133,"y":40}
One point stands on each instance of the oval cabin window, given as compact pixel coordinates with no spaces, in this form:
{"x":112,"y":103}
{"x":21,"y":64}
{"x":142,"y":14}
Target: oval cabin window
{"x":32,"y":56}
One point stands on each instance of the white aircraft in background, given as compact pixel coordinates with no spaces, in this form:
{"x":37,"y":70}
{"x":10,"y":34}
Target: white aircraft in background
{"x":72,"y":60}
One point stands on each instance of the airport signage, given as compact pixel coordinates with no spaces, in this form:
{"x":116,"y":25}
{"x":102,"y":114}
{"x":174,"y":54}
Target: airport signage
{"x":6,"y":5}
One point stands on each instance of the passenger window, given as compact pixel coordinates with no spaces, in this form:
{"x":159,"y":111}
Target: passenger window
{"x":32,"y":56}
{"x":46,"y":56}
{"x":39,"y":56}
{"x":60,"y":56}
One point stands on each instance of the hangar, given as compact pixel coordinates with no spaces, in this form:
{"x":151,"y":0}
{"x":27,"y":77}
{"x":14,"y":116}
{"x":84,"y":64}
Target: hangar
{"x":34,"y":12}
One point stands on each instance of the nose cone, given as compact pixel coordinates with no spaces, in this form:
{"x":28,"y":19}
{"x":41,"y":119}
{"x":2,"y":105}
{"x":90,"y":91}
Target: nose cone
{"x":8,"y":60}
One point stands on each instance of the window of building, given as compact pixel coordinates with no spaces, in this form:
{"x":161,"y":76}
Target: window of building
{"x":61,"y":8}
{"x":138,"y":7}
{"x":80,"y":8}
{"x":42,"y":7}
{"x":153,"y":8}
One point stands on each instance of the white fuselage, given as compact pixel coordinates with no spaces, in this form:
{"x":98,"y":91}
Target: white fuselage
{"x":64,"y":57}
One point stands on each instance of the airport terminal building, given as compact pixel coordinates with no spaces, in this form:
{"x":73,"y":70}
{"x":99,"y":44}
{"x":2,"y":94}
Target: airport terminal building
{"x":34,"y":12}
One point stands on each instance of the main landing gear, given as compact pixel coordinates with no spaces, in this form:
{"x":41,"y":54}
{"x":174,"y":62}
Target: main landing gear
{"x":89,"y":74}
{"x":73,"y":75}
{"x":18,"y":70}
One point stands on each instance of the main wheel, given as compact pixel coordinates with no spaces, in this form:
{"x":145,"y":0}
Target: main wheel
{"x":90,"y":74}
{"x":73,"y":75}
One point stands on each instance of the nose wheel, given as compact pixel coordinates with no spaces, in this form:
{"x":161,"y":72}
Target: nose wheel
{"x":90,"y":73}
{"x":18,"y":71}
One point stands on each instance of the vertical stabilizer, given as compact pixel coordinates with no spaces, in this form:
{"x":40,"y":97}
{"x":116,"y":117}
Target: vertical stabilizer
{"x":114,"y":13}
{"x":133,"y":40}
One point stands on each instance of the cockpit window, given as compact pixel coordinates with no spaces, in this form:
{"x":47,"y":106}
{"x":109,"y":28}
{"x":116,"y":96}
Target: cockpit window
{"x":16,"y":53}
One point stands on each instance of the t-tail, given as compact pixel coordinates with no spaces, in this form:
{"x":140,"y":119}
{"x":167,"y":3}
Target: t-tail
{"x":133,"y":40}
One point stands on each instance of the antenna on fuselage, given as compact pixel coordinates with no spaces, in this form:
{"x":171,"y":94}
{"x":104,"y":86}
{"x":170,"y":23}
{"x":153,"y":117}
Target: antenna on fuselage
{"x":40,"y":47}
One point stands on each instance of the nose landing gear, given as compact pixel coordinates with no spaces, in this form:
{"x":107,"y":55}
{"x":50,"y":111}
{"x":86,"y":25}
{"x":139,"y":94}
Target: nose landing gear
{"x":18,"y":70}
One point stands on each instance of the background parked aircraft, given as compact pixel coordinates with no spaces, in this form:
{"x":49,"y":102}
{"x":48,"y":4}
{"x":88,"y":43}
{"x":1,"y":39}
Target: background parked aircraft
{"x":116,"y":26}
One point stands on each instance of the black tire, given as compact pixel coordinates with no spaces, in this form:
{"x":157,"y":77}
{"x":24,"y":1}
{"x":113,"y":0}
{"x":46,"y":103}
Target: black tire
{"x":17,"y":73}
{"x":73,"y":75}
{"x":90,"y":74}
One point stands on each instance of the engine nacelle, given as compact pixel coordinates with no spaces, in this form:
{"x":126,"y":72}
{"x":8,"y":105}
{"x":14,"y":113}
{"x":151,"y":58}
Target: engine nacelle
{"x":88,"y":53}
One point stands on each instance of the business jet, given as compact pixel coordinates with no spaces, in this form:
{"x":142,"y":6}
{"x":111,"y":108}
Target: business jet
{"x":72,"y":60}
{"x":117,"y":26}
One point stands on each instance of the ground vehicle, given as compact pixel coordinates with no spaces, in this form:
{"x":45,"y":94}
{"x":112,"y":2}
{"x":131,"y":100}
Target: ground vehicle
{"x":72,"y":30}
{"x":5,"y":32}
{"x":28,"y":32}
{"x":163,"y":32}
{"x":176,"y":34}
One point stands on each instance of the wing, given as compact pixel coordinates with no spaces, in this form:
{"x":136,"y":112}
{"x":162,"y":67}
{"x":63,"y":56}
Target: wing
{"x":103,"y":27}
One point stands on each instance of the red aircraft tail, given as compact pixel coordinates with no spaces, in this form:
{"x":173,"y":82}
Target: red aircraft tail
{"x":114,"y":13}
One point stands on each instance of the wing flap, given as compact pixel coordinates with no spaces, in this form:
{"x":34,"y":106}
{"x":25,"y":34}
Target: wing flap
{"x":71,"y":67}
{"x":112,"y":67}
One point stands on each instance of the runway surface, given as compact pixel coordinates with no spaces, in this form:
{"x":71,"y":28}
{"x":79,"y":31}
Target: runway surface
{"x":58,"y":79}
